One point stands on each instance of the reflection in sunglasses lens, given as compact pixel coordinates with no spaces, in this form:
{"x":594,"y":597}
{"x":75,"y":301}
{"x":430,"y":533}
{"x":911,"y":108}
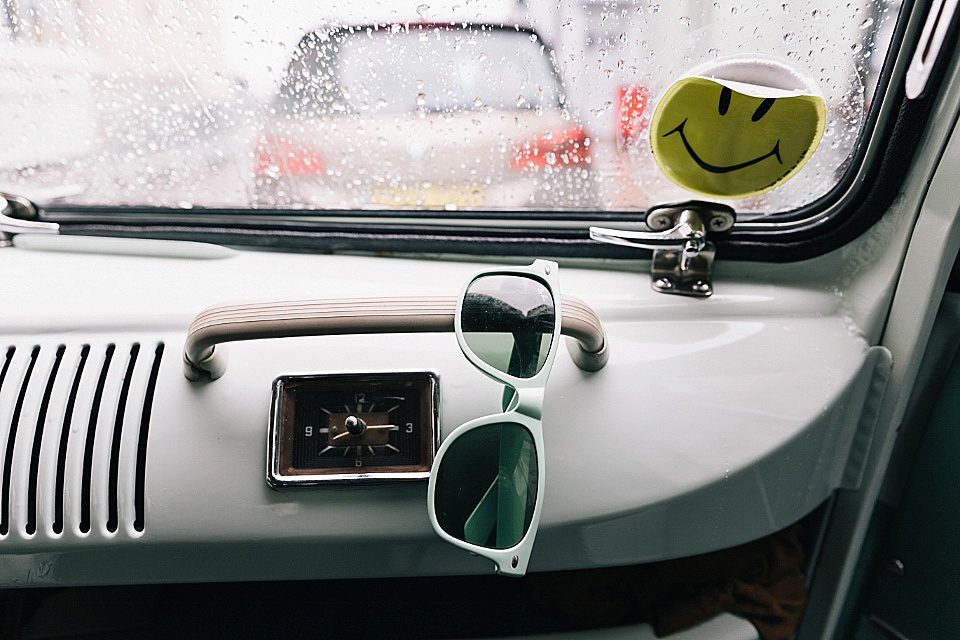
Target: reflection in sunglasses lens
{"x":486,"y":486}
{"x":508,"y":322}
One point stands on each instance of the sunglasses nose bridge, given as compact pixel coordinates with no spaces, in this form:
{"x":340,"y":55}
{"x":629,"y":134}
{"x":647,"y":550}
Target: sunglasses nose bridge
{"x":530,"y":402}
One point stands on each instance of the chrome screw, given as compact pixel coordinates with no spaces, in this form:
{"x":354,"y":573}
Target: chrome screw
{"x":895,"y":567}
{"x":664,"y":283}
{"x":659,"y":222}
{"x":718,"y":223}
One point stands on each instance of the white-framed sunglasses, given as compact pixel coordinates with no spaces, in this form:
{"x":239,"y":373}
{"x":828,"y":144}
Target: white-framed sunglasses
{"x":486,"y":486}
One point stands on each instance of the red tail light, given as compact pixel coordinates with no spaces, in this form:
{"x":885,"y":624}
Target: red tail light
{"x":275,"y":156}
{"x":562,"y":148}
{"x":631,"y":107}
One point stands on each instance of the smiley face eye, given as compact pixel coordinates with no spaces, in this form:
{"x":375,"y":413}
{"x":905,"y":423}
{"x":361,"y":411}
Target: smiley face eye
{"x":725,"y":95}
{"x":762,"y":109}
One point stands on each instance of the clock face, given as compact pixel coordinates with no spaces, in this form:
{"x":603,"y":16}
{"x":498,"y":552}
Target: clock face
{"x":353,"y":428}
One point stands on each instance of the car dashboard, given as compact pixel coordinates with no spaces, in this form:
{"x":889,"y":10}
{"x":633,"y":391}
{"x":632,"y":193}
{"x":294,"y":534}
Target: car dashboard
{"x":118,"y":469}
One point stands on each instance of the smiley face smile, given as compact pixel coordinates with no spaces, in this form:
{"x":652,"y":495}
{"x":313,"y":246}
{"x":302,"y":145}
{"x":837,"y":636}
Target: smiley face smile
{"x":712,"y":168}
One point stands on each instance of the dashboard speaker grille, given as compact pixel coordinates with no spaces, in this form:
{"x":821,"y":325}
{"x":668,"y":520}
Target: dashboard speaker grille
{"x":74,"y":425}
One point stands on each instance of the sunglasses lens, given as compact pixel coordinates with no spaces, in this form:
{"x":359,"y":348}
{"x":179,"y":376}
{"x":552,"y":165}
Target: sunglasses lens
{"x":486,"y":487}
{"x":508,"y":322}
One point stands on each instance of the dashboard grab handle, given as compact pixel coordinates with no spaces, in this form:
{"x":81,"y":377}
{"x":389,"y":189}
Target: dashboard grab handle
{"x":204,"y":357}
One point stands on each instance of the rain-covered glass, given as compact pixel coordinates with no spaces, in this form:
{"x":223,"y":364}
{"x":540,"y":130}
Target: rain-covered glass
{"x":486,"y":488}
{"x":508,"y":322}
{"x":500,"y":105}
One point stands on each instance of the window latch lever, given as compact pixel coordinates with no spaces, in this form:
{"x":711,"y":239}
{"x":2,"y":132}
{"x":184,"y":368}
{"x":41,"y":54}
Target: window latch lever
{"x":18,"y":215}
{"x":682,"y":256}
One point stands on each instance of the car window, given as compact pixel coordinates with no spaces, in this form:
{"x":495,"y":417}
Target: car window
{"x":477,"y":106}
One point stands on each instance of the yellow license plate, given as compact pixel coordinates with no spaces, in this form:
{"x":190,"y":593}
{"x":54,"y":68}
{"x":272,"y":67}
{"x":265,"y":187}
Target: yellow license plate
{"x":442,"y":196}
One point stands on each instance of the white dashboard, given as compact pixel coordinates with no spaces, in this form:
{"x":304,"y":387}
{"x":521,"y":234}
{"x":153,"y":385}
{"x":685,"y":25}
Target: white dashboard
{"x":695,"y":436}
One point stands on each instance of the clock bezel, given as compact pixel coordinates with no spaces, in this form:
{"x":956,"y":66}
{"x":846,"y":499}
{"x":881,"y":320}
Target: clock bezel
{"x":280,"y":470}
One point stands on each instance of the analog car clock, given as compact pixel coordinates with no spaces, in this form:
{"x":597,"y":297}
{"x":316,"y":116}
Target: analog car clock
{"x":352,"y":428}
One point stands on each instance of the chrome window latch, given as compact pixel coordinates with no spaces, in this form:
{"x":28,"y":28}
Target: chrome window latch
{"x":682,"y":255}
{"x":18,"y":215}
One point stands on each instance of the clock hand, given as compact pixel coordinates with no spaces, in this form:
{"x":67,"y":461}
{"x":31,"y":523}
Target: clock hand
{"x":356,"y":426}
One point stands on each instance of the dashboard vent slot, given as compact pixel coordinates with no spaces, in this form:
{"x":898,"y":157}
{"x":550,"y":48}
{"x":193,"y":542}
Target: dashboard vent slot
{"x":139,"y":488}
{"x":12,"y":441}
{"x":87,"y":482}
{"x":64,"y":439}
{"x":37,"y":440}
{"x":113,"y":508}
{"x":3,"y":376}
{"x":74,"y":425}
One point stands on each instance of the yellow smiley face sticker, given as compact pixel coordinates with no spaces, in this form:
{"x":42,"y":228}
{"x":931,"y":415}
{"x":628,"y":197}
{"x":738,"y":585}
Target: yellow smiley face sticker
{"x":733,"y":139}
